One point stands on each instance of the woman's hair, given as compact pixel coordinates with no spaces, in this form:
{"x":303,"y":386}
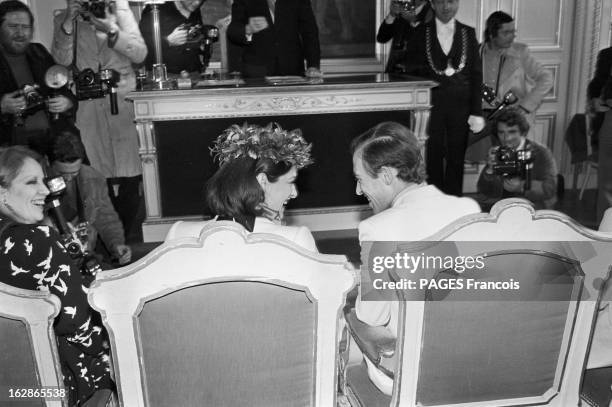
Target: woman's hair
{"x":233,"y":192}
{"x":494,"y":23}
{"x":11,"y":161}
{"x":244,"y":152}
{"x":391,"y":144}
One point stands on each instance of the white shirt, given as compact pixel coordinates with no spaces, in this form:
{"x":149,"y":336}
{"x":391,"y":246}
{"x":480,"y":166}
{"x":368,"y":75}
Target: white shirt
{"x":446,"y":32}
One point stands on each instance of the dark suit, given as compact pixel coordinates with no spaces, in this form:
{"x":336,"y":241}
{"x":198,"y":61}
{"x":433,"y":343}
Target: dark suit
{"x":401,"y":31}
{"x":39,"y":61}
{"x":601,"y":85}
{"x":281,"y":48}
{"x":454,"y":100}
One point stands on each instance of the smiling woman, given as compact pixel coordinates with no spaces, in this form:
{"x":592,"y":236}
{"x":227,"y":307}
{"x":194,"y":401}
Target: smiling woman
{"x":33,"y":258}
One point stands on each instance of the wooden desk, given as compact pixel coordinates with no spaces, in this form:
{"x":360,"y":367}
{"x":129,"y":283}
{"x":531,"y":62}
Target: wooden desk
{"x":175,"y":129}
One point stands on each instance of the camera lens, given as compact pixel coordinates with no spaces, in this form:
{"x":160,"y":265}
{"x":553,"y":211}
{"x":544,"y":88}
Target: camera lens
{"x":73,"y":249}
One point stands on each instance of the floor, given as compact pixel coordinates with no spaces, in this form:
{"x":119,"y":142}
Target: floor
{"x":346,"y":242}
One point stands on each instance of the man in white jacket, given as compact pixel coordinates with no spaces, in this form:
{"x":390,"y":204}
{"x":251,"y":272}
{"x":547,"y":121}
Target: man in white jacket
{"x":389,"y":170}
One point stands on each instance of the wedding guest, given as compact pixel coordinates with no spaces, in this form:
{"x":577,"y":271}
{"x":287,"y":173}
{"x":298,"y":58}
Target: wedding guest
{"x":34,"y":258}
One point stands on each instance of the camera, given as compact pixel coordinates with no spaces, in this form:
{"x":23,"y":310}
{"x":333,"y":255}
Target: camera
{"x":34,"y":102}
{"x":490,"y":96}
{"x":97,"y":8}
{"x":92,"y":85}
{"x":198,"y":33}
{"x":511,"y":163}
{"x":406,"y":5}
{"x":33,"y":99}
{"x":74,"y":240}
{"x":203,"y":36}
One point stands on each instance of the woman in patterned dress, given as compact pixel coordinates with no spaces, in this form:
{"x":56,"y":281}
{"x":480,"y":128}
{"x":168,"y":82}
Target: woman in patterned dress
{"x":32,"y":257}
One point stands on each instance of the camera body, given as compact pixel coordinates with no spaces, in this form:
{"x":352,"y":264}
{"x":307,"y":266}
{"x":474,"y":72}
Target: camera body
{"x":406,"y":5}
{"x":510,"y":163}
{"x":33,"y":99}
{"x":91,"y":85}
{"x":88,"y":85}
{"x":97,"y":8}
{"x":198,"y":33}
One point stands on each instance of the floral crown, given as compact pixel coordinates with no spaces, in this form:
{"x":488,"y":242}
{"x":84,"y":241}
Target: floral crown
{"x":256,"y":142}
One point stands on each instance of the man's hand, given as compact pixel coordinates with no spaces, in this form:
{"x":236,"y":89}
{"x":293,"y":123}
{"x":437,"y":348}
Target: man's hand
{"x":313,"y":72}
{"x":599,"y":105}
{"x":255,"y":25}
{"x":123,"y":253}
{"x":409,"y":16}
{"x":477,"y":123}
{"x":396,"y":9}
{"x":12,"y":103}
{"x":107,"y":24}
{"x":72,"y":10}
{"x":514,"y":184}
{"x":59,"y":104}
{"x":177,"y":37}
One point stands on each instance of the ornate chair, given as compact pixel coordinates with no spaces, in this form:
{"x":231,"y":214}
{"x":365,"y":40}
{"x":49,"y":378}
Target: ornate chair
{"x":460,"y":348}
{"x":228,"y":319}
{"x":28,"y":351}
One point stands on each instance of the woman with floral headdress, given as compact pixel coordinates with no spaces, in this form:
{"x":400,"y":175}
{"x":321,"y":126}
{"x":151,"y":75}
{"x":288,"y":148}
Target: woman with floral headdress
{"x":255,"y":180}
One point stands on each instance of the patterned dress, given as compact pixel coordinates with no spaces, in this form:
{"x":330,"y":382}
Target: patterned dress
{"x":31,"y":257}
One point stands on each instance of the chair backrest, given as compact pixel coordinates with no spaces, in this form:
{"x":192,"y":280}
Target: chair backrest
{"x":228,"y":319}
{"x":28,"y":350}
{"x":473,"y":348}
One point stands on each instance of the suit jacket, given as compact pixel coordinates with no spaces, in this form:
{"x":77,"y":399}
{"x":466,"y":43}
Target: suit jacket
{"x":281,"y":48}
{"x":524,"y":76}
{"x":464,"y":86}
{"x":401,"y":31}
{"x":39,"y":60}
{"x":415,"y":214}
{"x":297,"y":234}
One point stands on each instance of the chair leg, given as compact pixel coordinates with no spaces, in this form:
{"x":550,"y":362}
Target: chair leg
{"x":585,"y":182}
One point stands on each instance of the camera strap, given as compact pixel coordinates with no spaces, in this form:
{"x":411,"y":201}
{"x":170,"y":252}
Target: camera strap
{"x":80,"y":206}
{"x":75,"y":33}
{"x":502,"y":59}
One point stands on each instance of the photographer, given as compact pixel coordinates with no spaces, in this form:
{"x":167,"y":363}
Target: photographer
{"x":25,"y":63}
{"x":508,"y":66}
{"x":109,"y":40}
{"x":178,"y":51}
{"x":538,"y":183}
{"x":86,"y":197}
{"x":400,"y":25}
